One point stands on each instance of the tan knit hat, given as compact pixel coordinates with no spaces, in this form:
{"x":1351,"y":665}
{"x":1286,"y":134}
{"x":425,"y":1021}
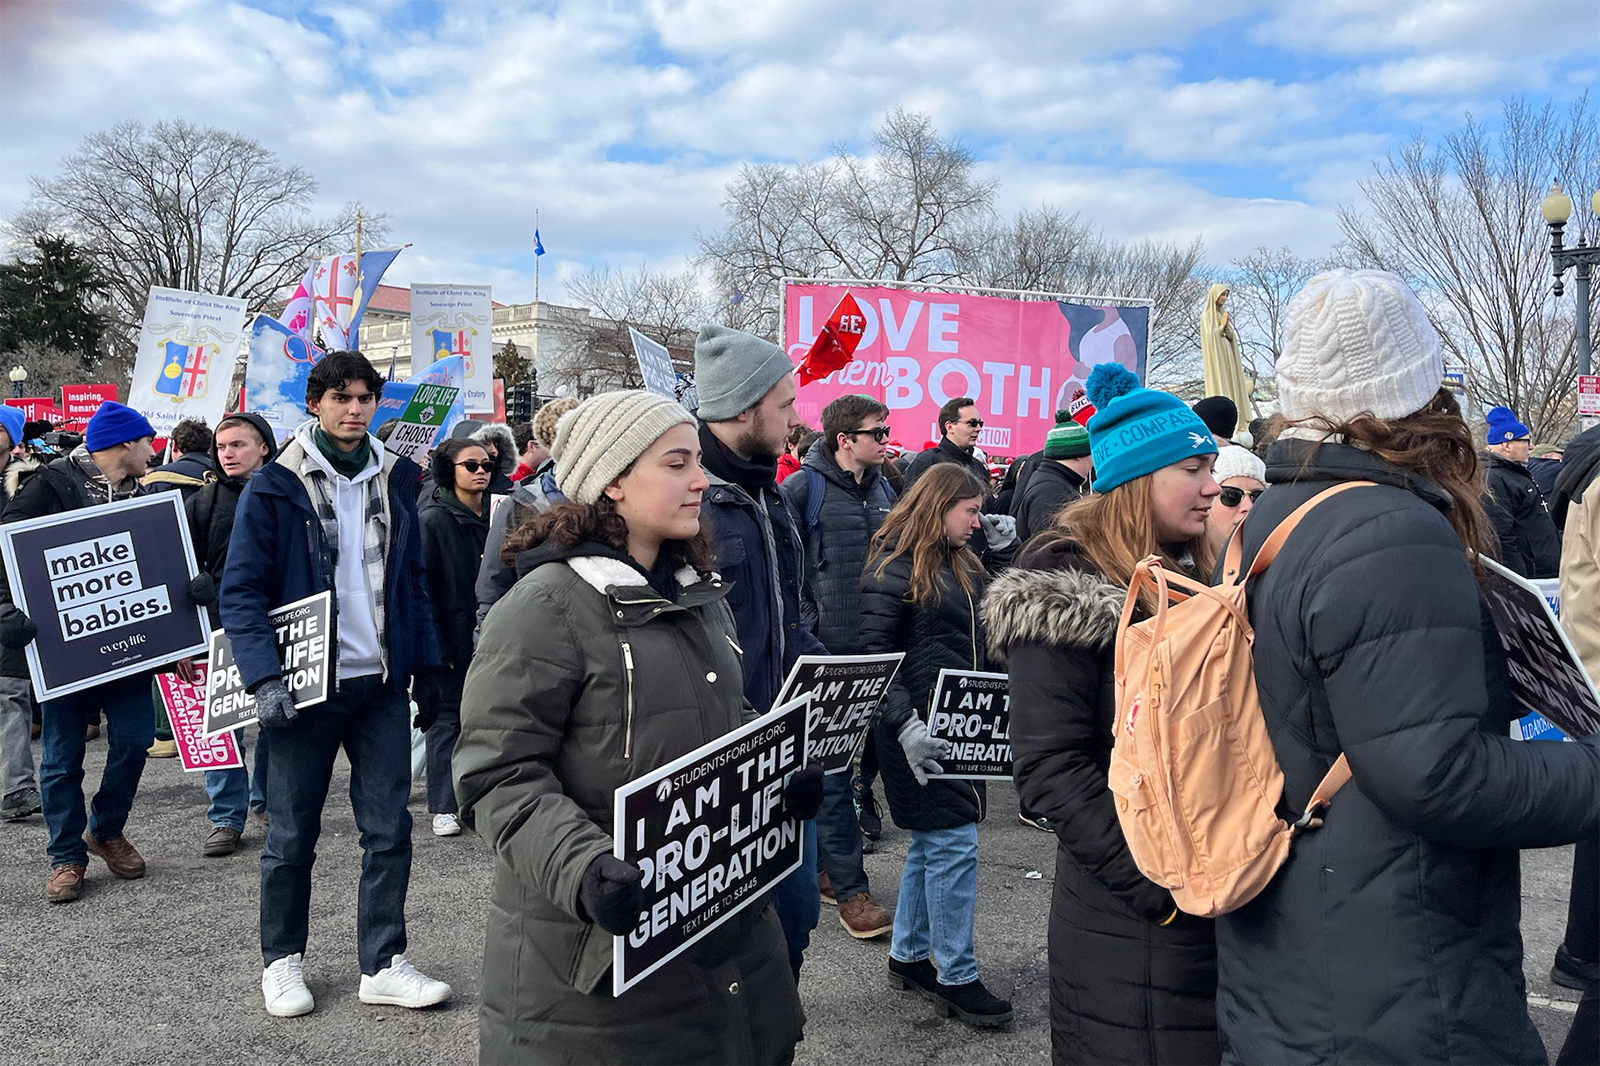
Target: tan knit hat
{"x":600,"y":438}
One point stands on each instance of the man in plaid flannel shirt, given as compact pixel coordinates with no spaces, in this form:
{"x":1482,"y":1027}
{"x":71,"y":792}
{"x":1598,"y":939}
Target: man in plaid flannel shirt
{"x":335,"y":512}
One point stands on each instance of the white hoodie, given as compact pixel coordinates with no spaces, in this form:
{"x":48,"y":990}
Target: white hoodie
{"x":359,"y":651}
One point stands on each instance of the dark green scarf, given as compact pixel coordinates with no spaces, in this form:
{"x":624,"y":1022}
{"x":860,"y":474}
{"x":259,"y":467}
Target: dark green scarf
{"x":346,"y":464}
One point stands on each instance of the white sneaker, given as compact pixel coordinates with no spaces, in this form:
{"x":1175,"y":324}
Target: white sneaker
{"x":446,"y":825}
{"x":283,"y":985}
{"x":401,"y":985}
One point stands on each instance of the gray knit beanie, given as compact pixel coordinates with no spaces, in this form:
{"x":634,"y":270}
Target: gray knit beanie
{"x":1356,"y":341}
{"x":601,"y":437}
{"x":733,"y":371}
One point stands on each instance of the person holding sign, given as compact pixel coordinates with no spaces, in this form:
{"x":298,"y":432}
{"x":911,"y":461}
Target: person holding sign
{"x":1131,"y":978}
{"x":920,"y":595}
{"x":615,"y":654}
{"x":335,"y":513}
{"x":1392,"y":933}
{"x":19,"y":787}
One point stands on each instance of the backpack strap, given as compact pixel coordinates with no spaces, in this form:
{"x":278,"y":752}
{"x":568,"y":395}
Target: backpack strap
{"x":1337,"y":777}
{"x":1275,"y":540}
{"x":815,"y":492}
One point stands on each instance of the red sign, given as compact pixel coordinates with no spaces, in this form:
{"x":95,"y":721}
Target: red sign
{"x":1589,"y":395}
{"x":186,"y":706}
{"x":80,"y":402}
{"x":836,"y":342}
{"x":36,"y":408}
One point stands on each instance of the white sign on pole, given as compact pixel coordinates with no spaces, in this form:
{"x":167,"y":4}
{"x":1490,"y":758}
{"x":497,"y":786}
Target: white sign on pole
{"x":1589,"y":395}
{"x":655,"y":365}
{"x":188,"y":344}
{"x":451,"y":320}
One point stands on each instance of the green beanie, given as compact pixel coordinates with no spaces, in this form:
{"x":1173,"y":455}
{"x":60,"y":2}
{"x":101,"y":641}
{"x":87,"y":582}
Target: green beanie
{"x":1067,"y":440}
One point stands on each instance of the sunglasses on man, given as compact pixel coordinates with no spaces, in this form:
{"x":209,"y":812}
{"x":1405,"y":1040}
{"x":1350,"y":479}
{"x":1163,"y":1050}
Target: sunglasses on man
{"x":975,"y":423}
{"x":1232,"y":495}
{"x":475,"y":465}
{"x":877,"y":433}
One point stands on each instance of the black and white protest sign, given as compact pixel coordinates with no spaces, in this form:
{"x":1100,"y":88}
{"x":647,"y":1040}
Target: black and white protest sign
{"x":972,"y":710}
{"x":1546,"y":674}
{"x":844,"y":690}
{"x":708,"y":831}
{"x":655,"y":365}
{"x":107,"y":588}
{"x":300,"y":630}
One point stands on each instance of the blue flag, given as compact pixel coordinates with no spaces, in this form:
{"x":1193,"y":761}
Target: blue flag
{"x":538,"y":245}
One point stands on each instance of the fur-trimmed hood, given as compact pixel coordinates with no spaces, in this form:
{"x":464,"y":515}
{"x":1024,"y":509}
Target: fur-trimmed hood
{"x":16,"y":470}
{"x":504,"y":441}
{"x":1069,"y":607}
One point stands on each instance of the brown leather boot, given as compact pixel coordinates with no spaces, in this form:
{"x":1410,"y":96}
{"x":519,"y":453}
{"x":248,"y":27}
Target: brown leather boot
{"x":119,"y":855}
{"x":825,"y":887}
{"x":65,"y":883}
{"x":863,"y":917}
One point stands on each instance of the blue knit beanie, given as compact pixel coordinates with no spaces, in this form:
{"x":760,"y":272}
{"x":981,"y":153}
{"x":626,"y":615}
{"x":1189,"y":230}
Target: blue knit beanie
{"x":1503,"y":426}
{"x":12,"y":420}
{"x":115,"y":424}
{"x":1137,"y":431}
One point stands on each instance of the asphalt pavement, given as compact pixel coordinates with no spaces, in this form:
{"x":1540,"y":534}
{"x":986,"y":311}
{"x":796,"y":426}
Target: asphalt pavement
{"x":167,"y":969}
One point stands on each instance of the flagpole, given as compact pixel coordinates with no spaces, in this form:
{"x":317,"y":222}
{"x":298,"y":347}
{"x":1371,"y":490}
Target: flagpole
{"x":536,"y":255}
{"x":358,"y":279}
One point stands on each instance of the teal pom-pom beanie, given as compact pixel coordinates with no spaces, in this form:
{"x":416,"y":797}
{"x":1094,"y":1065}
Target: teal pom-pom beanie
{"x":1137,"y":431}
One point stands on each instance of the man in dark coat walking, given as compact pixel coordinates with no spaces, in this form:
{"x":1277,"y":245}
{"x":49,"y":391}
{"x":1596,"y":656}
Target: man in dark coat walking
{"x":1528,"y":541}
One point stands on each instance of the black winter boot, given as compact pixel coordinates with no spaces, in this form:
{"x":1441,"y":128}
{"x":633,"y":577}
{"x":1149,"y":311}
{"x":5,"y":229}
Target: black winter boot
{"x":974,"y":1004}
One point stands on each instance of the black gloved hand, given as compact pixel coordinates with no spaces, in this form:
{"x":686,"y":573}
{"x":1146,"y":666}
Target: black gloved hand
{"x":202,"y":589}
{"x":274,"y":706}
{"x":802,"y":793}
{"x":612,"y":894}
{"x":16,"y":629}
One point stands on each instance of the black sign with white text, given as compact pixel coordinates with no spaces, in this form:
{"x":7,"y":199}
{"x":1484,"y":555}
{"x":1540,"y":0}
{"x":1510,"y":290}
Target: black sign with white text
{"x":1546,"y":674}
{"x":845,"y":690}
{"x":972,"y":710}
{"x":708,"y":831}
{"x":107,"y":587}
{"x":300,"y":630}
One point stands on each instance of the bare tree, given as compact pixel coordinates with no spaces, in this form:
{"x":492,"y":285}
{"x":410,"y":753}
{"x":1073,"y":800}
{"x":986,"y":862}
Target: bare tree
{"x":903,"y":214}
{"x":667,"y":308}
{"x":1262,"y":284}
{"x":1460,"y":220}
{"x":187,"y":207}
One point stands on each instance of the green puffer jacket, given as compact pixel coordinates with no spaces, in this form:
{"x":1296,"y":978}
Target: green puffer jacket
{"x":584,"y":679}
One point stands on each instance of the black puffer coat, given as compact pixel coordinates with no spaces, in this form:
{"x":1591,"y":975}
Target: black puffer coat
{"x":836,"y":550}
{"x":1123,"y":987}
{"x":1047,"y":488}
{"x":452,"y":547}
{"x":946,"y":637}
{"x":1391,"y":934}
{"x":1528,"y":541}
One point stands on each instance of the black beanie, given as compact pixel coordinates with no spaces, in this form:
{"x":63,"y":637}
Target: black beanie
{"x":1219,"y":414}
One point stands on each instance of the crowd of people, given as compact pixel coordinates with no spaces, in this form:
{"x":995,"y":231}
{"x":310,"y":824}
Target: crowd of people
{"x":647,"y":583}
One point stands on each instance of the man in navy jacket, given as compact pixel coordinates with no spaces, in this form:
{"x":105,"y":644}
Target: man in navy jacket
{"x":335,"y":512}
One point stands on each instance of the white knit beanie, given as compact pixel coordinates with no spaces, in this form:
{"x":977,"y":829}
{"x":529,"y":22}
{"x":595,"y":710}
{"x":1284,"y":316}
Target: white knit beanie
{"x":601,"y":437}
{"x":1237,"y":461}
{"x":1356,"y":341}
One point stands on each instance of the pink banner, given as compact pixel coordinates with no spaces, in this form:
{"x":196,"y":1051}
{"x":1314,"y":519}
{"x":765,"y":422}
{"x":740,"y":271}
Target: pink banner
{"x":186,"y":706}
{"x":1019,"y":359}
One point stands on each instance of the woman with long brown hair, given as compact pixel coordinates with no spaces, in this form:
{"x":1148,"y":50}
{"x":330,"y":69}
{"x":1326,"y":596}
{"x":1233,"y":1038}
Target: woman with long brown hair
{"x":920,"y":595}
{"x":1391,"y":934}
{"x":1131,"y":979}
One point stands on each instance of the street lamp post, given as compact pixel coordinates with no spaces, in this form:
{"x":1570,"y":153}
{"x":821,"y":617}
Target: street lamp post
{"x":19,"y":374}
{"x":1557,"y":209}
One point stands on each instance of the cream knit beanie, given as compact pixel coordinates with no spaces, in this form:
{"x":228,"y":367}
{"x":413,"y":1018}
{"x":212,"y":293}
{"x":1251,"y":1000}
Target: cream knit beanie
{"x":601,"y":437}
{"x":1356,"y":341}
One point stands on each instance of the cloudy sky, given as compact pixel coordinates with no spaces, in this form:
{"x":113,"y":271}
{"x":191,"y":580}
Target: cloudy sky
{"x":1245,"y":123}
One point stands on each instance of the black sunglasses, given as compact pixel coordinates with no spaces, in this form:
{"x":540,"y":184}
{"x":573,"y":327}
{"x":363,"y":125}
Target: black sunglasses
{"x":1232,"y":495}
{"x":975,"y":423}
{"x":879,"y":433}
{"x":475,"y":465}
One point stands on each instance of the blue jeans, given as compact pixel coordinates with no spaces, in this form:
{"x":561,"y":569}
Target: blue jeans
{"x":939,"y":902}
{"x":839,"y":837}
{"x":235,"y":792}
{"x":130,"y":730}
{"x":797,"y":901}
{"x":373,"y":724}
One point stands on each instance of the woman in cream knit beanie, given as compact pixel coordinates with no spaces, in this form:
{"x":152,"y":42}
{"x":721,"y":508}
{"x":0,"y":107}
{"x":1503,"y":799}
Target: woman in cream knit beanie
{"x":601,"y":437}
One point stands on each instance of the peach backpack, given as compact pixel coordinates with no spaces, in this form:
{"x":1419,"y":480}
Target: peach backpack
{"x":1196,"y":781}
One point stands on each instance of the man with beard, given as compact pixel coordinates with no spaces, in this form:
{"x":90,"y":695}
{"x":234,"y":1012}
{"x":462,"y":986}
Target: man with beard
{"x":747,"y":394}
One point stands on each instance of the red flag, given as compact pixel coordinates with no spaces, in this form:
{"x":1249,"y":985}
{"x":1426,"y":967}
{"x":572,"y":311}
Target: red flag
{"x":835,"y":346}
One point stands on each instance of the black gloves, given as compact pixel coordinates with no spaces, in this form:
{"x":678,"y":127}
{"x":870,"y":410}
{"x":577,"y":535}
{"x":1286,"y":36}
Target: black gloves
{"x":802,"y":793}
{"x":274,"y":706}
{"x":612,"y":894}
{"x":16,"y":629}
{"x":202,"y":589}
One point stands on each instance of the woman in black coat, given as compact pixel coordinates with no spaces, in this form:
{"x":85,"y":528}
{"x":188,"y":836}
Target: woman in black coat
{"x":455,"y":523}
{"x":1132,"y":980}
{"x":920,"y":595}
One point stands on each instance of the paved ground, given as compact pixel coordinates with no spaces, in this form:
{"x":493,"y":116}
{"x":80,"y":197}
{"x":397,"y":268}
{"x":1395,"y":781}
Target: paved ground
{"x":167,"y":970}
